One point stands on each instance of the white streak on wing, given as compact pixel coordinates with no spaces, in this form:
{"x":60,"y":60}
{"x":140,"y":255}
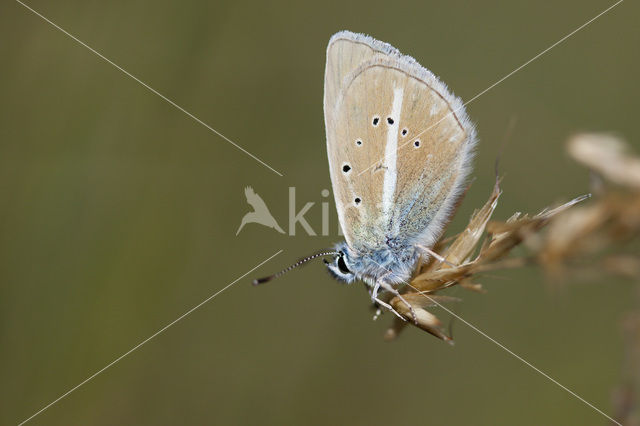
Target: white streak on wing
{"x":391,"y":155}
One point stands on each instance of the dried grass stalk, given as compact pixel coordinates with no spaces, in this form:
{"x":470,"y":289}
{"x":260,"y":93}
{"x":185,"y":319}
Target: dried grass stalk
{"x":572,"y":234}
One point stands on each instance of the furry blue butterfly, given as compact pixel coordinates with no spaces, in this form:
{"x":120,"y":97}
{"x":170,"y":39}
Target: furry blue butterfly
{"x":400,"y":146}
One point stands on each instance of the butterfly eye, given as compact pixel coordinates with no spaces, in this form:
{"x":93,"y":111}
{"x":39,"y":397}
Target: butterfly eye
{"x":342,"y":265}
{"x":376,"y":120}
{"x":417,"y":143}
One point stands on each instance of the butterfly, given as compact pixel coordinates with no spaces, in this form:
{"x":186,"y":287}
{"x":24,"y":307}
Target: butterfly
{"x":400,"y":146}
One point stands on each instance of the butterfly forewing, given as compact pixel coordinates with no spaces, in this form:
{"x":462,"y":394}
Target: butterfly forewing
{"x":398,"y":144}
{"x":344,"y":55}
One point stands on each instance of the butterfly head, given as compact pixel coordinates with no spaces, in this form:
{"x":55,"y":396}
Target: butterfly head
{"x":340,"y":266}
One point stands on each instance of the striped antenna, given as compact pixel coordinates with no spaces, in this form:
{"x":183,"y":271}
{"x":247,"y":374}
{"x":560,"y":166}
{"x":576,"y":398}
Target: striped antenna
{"x":295,"y":265}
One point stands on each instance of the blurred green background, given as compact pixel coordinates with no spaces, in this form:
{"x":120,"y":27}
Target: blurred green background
{"x":119,"y":213}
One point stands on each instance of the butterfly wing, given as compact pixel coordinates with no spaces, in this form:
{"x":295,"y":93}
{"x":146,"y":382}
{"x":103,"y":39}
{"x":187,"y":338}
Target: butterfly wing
{"x":399,"y":144}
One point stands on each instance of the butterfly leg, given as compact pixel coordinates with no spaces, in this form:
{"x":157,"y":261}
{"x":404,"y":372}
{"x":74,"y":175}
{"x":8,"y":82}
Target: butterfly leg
{"x":375,"y":299}
{"x":392,"y":290}
{"x":374,"y":292}
{"x":389,"y":307}
{"x":377,"y":314}
{"x":438,"y":257}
